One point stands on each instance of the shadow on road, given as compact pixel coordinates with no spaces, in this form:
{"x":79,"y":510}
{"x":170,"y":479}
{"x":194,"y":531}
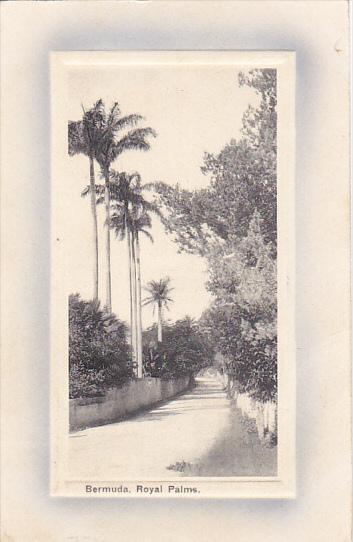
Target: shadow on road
{"x":192,"y":400}
{"x":237,"y":452}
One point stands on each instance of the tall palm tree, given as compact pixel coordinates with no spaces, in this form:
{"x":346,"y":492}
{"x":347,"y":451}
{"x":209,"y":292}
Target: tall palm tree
{"x":139,"y":225}
{"x":140,"y":222}
{"x":83,"y":138}
{"x":130,"y":218}
{"x":122,"y":194}
{"x":114,"y":142}
{"x":159,"y":296}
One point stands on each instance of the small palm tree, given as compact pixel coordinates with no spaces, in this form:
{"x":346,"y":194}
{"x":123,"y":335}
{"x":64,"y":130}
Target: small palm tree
{"x":159,"y":296}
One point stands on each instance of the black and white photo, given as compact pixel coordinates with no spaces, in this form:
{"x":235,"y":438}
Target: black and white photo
{"x":170,"y":232}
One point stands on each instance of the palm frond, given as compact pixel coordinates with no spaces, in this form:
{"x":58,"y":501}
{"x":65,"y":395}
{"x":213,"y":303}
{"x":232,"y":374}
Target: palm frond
{"x":152,"y":208}
{"x":76,"y":141}
{"x":148,"y":301}
{"x":85,"y":191}
{"x":135,"y":139}
{"x":128,"y":120}
{"x":113,"y":114}
{"x":99,"y":188}
{"x":147,"y":234}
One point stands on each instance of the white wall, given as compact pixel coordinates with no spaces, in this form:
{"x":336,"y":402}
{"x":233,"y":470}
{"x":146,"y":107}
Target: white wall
{"x":119,"y":402}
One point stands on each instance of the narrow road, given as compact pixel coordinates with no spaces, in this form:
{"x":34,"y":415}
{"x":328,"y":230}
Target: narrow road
{"x":197,"y":433}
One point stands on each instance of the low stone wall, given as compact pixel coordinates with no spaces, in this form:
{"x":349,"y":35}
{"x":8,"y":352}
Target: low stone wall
{"x":119,"y":402}
{"x":264,"y":414}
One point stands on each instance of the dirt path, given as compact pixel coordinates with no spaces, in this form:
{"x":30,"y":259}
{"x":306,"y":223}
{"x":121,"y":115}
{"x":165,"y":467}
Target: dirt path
{"x":197,"y":433}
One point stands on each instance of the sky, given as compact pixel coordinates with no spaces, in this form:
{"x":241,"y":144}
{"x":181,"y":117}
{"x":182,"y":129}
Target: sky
{"x":193,"y":109}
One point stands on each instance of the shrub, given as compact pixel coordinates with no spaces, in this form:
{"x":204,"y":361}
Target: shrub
{"x":184,"y":350}
{"x":98,"y":350}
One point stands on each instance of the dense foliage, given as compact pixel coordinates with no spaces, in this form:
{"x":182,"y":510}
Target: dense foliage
{"x":243,"y":317}
{"x":185,"y":350}
{"x":232,"y":223}
{"x":98,"y":349}
{"x":242,"y":180}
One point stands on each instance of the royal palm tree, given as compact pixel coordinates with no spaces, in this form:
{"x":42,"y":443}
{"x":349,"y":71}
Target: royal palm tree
{"x":159,"y":296}
{"x":83,"y":138}
{"x":126,"y":219}
{"x":114,"y":142}
{"x":139,"y":226}
{"x":122,"y":195}
{"x":140,"y":222}
{"x":130,"y":218}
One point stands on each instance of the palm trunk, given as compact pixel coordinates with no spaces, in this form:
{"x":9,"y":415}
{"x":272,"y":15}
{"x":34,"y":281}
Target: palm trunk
{"x":132,"y":312}
{"x":107,"y":243}
{"x":95,"y":227}
{"x":134,"y":298}
{"x":159,"y":323}
{"x":139,"y":311}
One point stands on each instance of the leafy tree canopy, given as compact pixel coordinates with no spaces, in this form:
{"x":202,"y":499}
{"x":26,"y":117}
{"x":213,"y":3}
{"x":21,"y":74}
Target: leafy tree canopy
{"x":242,"y":181}
{"x":232,"y":223}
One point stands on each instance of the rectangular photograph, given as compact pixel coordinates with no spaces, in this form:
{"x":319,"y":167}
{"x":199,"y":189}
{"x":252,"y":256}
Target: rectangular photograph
{"x":172,"y":293}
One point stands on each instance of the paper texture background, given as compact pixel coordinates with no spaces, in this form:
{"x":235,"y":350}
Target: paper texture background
{"x":318,"y":32}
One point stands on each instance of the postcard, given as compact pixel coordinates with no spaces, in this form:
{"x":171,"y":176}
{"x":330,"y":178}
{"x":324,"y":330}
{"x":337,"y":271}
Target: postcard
{"x":172,"y":296}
